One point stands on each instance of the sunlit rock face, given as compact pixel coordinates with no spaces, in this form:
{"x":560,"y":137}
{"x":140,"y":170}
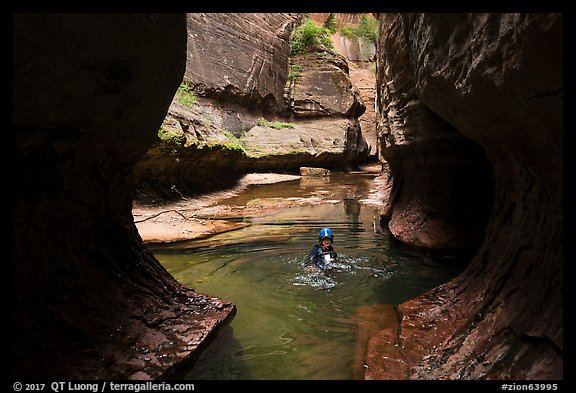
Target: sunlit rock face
{"x":325,"y":88}
{"x":360,"y":54}
{"x":89,"y":301}
{"x":471,"y":125}
{"x":240,"y":57}
{"x":238,"y":67}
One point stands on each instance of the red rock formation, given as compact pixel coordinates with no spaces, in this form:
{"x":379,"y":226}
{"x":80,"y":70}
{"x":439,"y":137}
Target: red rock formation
{"x":89,"y":300}
{"x":379,"y":354}
{"x":343,"y":19}
{"x":238,"y":65}
{"x":363,"y":77}
{"x":325,"y":89}
{"x":240,"y":57}
{"x":451,"y":86}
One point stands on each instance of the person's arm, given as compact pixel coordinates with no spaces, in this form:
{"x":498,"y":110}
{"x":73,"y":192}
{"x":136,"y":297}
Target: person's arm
{"x":312,"y":253}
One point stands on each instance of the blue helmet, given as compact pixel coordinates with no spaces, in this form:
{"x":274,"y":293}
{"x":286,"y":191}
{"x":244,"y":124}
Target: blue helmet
{"x":326,"y":232}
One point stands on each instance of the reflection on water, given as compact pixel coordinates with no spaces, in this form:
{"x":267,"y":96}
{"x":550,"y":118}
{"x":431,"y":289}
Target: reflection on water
{"x":293,"y":322}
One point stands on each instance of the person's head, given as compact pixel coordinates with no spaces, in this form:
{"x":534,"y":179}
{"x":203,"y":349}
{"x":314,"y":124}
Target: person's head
{"x":326,"y":237}
{"x":326,"y":242}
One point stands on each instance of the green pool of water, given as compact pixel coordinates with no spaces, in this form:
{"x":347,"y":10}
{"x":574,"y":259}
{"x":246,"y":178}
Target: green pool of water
{"x":293,"y":323}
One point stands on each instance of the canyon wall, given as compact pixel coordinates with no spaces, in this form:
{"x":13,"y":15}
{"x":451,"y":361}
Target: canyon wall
{"x":360,"y":54}
{"x":240,"y":58}
{"x":471,"y":125}
{"x":89,"y":301}
{"x":248,"y":113}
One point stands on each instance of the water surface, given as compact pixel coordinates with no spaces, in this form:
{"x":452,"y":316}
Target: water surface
{"x":293,"y":323}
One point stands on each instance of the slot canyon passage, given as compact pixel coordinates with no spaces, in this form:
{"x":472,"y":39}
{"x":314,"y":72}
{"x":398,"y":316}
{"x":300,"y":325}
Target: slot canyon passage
{"x":467,"y":123}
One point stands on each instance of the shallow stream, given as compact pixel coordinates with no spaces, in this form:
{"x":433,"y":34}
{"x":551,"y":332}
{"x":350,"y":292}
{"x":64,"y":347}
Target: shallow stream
{"x":293,"y":323}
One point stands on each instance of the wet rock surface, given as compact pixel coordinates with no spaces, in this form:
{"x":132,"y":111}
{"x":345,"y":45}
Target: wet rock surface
{"x":201,"y":217}
{"x":494,"y":80}
{"x":379,"y":353}
{"x":207,"y":215}
{"x":314,"y":172}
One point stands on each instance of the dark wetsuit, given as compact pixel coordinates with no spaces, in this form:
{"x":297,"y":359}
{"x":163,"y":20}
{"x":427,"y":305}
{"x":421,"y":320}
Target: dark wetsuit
{"x":316,"y":255}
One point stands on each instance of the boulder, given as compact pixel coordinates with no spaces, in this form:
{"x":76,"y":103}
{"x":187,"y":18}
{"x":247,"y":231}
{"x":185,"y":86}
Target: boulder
{"x":324,"y":88}
{"x":314,"y":172}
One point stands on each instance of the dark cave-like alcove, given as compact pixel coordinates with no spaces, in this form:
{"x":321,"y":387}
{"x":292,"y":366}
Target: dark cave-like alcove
{"x":88,"y":299}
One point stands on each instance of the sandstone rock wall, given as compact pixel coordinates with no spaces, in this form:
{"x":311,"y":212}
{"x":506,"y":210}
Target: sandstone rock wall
{"x":363,"y":76}
{"x":240,"y":57}
{"x":324,"y":88}
{"x":458,"y":92}
{"x":343,"y":18}
{"x":353,"y":50}
{"x":238,"y":65}
{"x":89,"y":301}
{"x":361,"y":63}
{"x":328,"y":142}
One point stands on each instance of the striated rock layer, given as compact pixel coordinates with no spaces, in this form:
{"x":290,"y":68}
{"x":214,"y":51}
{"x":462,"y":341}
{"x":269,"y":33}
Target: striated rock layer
{"x":471,"y":125}
{"x":238,"y":66}
{"x":240,"y":57}
{"x":89,"y":300}
{"x":324,"y":87}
